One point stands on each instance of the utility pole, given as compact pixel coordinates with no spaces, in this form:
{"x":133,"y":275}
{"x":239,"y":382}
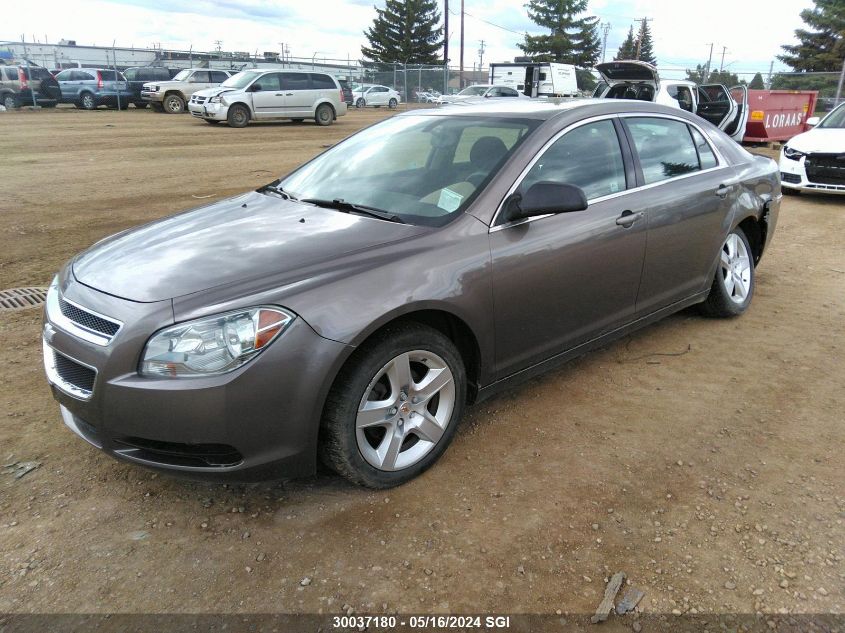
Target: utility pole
{"x":461,"y":72}
{"x":606,"y":28}
{"x":446,"y":33}
{"x":643,"y":22}
{"x":769,"y":78}
{"x":722,"y":65}
{"x":707,"y":66}
{"x":841,"y":82}
{"x":481,"y":55}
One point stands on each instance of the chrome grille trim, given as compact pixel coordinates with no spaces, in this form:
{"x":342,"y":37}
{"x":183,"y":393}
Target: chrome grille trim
{"x":57,"y":317}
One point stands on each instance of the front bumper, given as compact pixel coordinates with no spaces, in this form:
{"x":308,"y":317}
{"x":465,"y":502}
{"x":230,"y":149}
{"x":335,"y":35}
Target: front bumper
{"x":257,"y":422}
{"x":152,"y":97}
{"x":793,"y":175}
{"x":214,"y":111}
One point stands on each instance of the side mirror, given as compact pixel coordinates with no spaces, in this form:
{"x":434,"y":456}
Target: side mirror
{"x":543,"y":198}
{"x":256,"y":87}
{"x":813,"y":121}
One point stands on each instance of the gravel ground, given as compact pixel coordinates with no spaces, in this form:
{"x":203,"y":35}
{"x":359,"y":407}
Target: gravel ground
{"x":703,"y":458}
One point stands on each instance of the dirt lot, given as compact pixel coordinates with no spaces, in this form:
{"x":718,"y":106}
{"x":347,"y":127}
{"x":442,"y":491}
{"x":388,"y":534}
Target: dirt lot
{"x":703,"y":458}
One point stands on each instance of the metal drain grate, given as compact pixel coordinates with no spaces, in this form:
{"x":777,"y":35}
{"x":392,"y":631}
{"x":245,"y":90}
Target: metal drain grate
{"x":22,"y":298}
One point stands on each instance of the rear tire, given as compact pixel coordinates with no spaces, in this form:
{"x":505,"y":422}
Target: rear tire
{"x":392,"y":104}
{"x":10,"y":102}
{"x":360,"y":103}
{"x":324,"y":114}
{"x":174,"y":104}
{"x":415,"y":377}
{"x":87,"y":101}
{"x":733,"y":284}
{"x":238,"y":116}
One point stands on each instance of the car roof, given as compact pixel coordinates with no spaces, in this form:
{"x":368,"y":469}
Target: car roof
{"x":545,"y":109}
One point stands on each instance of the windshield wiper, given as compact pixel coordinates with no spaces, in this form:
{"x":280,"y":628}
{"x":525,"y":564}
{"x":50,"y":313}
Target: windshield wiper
{"x":349,"y":207}
{"x":275,"y":188}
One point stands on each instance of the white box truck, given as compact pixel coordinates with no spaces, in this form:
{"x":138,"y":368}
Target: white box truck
{"x":536,"y":79}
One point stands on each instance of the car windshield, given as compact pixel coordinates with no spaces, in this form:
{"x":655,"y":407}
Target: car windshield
{"x":835,"y":119}
{"x":182,"y":75}
{"x":473,"y":91}
{"x":423,"y":169}
{"x":240,"y":80}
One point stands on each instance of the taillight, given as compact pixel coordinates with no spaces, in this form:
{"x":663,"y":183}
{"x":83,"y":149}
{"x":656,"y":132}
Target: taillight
{"x":22,"y":78}
{"x":99,"y":80}
{"x":342,"y":98}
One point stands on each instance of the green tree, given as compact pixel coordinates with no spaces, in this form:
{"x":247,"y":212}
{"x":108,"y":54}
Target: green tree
{"x":646,"y":45}
{"x":628,"y":50}
{"x":757,"y":83}
{"x":821,"y":47}
{"x":405,"y":31}
{"x":714,"y":77}
{"x":572,"y":39}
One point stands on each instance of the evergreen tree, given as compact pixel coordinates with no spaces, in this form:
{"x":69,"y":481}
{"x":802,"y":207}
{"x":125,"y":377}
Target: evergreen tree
{"x":823,"y":47}
{"x":715,"y":77}
{"x":572,"y":40}
{"x":757,"y":83}
{"x":646,"y":44}
{"x":405,"y":31}
{"x":628,"y":50}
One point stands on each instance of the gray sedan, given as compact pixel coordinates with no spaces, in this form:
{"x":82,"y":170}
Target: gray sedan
{"x":353,"y":308}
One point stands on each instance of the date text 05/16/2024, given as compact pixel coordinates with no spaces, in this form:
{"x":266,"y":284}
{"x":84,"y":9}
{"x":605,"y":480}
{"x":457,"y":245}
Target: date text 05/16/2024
{"x":355,"y":622}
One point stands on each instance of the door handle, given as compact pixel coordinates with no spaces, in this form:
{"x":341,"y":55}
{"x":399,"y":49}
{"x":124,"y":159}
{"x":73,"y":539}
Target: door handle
{"x":628,"y":218}
{"x":723,"y":190}
{"x":280,"y":94}
{"x":288,"y":94}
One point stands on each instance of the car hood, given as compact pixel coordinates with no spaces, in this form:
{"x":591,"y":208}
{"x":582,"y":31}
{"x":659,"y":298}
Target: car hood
{"x":213,"y":92}
{"x":821,"y":140}
{"x":167,"y":84}
{"x":231,"y":241}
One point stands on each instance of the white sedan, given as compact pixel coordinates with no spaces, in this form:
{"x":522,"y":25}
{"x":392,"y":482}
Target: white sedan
{"x":815,"y":160}
{"x":376,"y":96}
{"x":481,"y":91}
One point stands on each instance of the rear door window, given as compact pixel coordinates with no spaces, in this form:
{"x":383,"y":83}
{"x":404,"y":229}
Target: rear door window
{"x":322,"y":82}
{"x":82,"y":75}
{"x":295,"y":81}
{"x":706,"y":157}
{"x":664,"y":146}
{"x":218,"y":77}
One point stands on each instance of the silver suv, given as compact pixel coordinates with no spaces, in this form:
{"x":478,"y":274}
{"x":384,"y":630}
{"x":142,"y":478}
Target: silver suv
{"x":258,"y":95}
{"x":171,"y":96}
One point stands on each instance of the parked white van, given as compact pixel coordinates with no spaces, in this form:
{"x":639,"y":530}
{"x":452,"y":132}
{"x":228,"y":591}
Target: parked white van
{"x":260,"y":95}
{"x":726,"y":108}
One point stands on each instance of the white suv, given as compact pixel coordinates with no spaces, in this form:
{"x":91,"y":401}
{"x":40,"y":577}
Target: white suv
{"x":260,"y":95}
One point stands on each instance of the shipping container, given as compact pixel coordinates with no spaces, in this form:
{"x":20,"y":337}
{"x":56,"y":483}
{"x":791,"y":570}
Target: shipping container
{"x":778,"y":115}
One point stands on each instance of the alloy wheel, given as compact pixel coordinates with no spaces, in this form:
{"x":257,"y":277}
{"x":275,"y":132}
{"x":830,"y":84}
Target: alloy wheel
{"x":735,"y":266}
{"x":405,"y":410}
{"x":88,"y":101}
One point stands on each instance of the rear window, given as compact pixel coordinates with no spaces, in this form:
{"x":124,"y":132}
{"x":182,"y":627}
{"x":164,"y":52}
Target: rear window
{"x":319,"y":82}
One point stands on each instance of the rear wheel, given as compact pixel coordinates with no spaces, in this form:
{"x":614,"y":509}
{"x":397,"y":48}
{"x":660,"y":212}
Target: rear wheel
{"x":360,"y":103}
{"x":733,"y":284}
{"x":394,"y":407}
{"x":174,"y":104}
{"x":9,"y":101}
{"x":87,"y":101}
{"x":324,"y":114}
{"x":238,"y":116}
{"x":392,"y":104}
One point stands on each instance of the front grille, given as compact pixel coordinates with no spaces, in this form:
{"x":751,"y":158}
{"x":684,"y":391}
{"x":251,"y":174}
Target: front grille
{"x":791,"y":178}
{"x":88,"y":320}
{"x":826,"y":169}
{"x":74,"y":373}
{"x":198,"y":99}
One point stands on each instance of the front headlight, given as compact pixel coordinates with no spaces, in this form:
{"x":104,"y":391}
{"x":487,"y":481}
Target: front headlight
{"x":213,"y":345}
{"x":214,"y":100}
{"x":792,"y":154}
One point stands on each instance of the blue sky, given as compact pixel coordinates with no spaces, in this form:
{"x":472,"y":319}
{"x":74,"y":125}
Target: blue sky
{"x":752,"y":30}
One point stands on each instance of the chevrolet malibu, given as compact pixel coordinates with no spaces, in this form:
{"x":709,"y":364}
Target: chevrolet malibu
{"x":352,"y":309}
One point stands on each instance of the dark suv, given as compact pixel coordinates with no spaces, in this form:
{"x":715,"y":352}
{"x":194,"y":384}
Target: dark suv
{"x":347,"y":91}
{"x":17,"y":84}
{"x":137,"y":77}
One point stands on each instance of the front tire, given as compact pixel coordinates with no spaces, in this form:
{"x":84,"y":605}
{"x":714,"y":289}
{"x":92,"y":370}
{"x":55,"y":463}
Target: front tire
{"x":324,"y":114}
{"x":238,"y":116}
{"x":174,"y":104}
{"x":733,"y":284}
{"x":10,"y":102}
{"x":394,"y":407}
